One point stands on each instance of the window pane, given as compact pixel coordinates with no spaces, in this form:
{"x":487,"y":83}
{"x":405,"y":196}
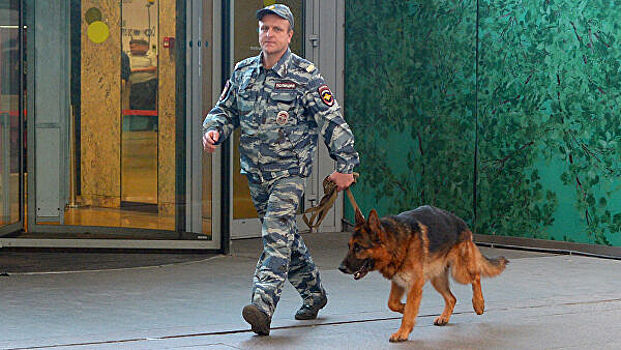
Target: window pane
{"x":10,"y":143}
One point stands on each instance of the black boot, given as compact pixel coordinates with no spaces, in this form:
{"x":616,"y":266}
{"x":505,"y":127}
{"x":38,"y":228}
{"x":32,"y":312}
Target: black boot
{"x":259,"y":321}
{"x":309,"y":312}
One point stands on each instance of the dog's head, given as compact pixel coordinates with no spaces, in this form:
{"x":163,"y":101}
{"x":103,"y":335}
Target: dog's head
{"x":365,"y":246}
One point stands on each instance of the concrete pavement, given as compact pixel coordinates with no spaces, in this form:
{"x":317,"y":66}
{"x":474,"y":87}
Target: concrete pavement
{"x":541,"y":301}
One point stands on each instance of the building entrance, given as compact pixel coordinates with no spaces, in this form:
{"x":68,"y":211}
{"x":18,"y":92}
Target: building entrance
{"x":122,"y":136}
{"x":111,"y":149}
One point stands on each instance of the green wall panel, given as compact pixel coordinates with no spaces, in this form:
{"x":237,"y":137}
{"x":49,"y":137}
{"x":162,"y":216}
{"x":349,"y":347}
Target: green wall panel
{"x":549,"y":125}
{"x":549,"y":128}
{"x":409,"y":92}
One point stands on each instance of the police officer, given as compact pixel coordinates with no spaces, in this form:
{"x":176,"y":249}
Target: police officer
{"x":282,"y":105}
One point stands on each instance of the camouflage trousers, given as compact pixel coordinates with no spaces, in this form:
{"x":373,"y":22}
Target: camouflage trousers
{"x":285,"y":255}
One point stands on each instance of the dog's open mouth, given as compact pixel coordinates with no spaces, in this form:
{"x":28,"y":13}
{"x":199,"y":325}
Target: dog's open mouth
{"x":364,"y":269}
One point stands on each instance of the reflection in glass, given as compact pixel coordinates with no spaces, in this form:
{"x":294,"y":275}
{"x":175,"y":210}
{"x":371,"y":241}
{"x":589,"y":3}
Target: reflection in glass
{"x":142,"y":75}
{"x":10,"y":138}
{"x":139,"y":83}
{"x":116,"y":142}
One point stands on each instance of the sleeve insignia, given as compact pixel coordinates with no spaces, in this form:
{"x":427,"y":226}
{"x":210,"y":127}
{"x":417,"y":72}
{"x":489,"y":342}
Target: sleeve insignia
{"x":225,"y":91}
{"x":310,"y":68}
{"x":326,"y":95}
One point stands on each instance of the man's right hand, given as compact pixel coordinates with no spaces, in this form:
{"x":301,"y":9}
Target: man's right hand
{"x":209,"y":140}
{"x":342,"y":181}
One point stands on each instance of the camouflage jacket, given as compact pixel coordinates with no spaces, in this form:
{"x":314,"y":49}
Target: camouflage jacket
{"x":281,"y":111}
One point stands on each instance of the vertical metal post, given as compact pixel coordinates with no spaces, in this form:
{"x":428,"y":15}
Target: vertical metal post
{"x":72,"y":170}
{"x":22,"y":76}
{"x":181,"y":200}
{"x":476,"y":120}
{"x":225,"y":226}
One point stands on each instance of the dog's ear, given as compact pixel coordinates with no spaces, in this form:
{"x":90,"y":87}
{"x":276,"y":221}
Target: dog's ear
{"x":374,"y":222}
{"x":375,"y":226}
{"x":359,"y":217}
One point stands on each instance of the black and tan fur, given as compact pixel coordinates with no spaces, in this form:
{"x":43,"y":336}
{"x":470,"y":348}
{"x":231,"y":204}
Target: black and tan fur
{"x":414,"y":247}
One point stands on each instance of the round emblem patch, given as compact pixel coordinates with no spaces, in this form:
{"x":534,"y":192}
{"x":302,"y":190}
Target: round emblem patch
{"x":282,"y":117}
{"x":326,"y":95}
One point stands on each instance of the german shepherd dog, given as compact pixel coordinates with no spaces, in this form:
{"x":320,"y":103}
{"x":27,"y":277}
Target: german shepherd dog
{"x":413,"y":247}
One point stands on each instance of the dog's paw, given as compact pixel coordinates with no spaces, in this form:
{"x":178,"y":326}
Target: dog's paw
{"x":441,"y":321}
{"x":479,"y":306}
{"x":397,"y":307}
{"x":398,"y":337}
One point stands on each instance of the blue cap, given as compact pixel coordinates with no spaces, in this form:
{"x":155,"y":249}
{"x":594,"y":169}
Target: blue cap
{"x":279,"y":10}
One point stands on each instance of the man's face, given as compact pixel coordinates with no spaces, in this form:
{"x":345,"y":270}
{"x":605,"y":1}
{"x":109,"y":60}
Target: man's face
{"x":274,"y":34}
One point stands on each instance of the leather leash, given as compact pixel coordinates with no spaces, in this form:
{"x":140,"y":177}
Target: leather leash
{"x":320,"y":211}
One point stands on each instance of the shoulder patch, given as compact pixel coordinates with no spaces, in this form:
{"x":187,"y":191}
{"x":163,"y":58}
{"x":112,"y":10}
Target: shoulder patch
{"x":225,"y":91}
{"x":326,"y":95}
{"x":310,"y":68}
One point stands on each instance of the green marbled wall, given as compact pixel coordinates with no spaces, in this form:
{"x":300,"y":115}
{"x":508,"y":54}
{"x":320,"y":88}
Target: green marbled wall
{"x":546,"y":112}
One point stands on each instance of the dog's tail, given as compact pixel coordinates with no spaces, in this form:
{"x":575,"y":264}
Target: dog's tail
{"x":469,"y":261}
{"x":491,"y":267}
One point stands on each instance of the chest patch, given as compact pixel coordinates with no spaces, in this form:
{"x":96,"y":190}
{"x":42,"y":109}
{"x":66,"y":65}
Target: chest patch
{"x":282,"y":117}
{"x":285,"y":85}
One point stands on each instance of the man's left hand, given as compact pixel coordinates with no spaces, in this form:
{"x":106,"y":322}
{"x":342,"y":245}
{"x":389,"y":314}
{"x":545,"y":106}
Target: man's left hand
{"x":341,"y":180}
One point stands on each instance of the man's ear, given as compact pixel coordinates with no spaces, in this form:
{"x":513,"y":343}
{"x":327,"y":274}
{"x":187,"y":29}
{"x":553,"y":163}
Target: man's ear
{"x":359,"y":217}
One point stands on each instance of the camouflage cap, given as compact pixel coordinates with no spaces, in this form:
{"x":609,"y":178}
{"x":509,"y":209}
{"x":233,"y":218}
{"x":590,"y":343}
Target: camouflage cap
{"x":279,"y":10}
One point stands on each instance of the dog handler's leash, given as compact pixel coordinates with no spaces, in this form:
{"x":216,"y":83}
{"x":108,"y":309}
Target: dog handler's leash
{"x":320,"y":211}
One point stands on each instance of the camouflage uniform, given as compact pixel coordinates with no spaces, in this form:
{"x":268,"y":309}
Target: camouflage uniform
{"x":281,"y":111}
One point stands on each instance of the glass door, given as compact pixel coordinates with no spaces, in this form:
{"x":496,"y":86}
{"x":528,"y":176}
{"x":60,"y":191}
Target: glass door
{"x":117,"y":91}
{"x":123,"y":120}
{"x":11,"y":117}
{"x":110,"y":123}
{"x":203,"y":77}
